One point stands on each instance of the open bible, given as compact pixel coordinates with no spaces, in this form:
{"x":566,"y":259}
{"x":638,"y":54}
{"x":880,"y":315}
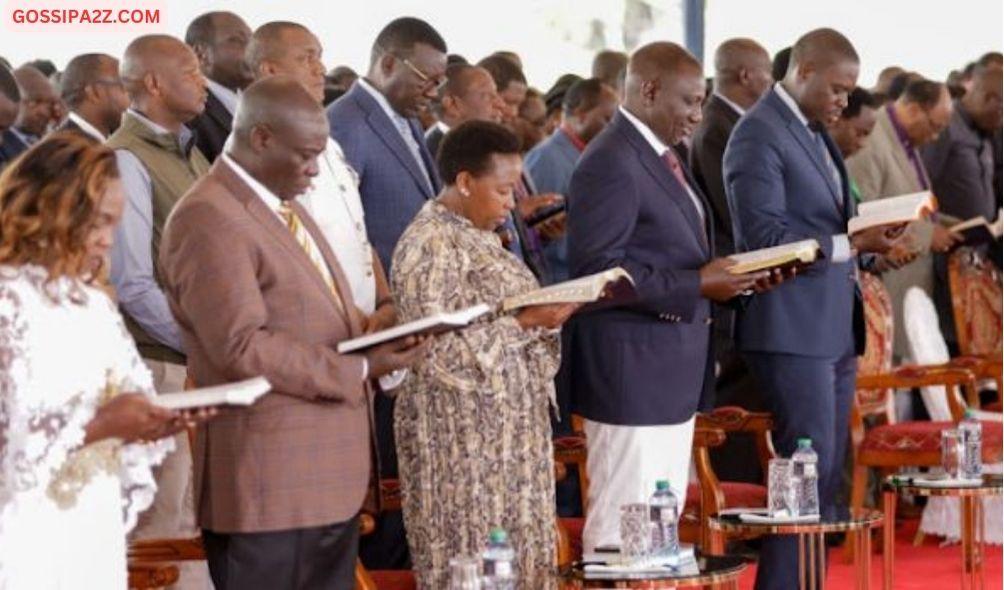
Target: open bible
{"x":894,"y":210}
{"x":612,"y":284}
{"x":783,"y":256}
{"x":434,"y":324}
{"x":978,"y":230}
{"x":240,"y":393}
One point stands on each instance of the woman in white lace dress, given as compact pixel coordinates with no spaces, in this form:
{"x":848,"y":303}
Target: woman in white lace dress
{"x":74,"y":396}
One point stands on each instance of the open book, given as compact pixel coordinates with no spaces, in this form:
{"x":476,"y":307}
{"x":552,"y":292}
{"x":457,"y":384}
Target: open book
{"x":978,"y":230}
{"x":802,"y":252}
{"x":241,"y":393}
{"x":611,"y":284}
{"x":434,"y":324}
{"x":893,"y":210}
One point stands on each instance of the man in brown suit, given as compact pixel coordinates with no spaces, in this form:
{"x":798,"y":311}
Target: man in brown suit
{"x":257,"y":291}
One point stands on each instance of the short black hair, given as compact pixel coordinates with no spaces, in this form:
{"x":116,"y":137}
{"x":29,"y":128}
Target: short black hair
{"x":455,"y":58}
{"x":991,"y":57}
{"x":584,"y":94}
{"x":81,"y":71}
{"x":503,"y":71}
{"x":8,"y":85}
{"x":469,"y":147}
{"x":201,"y":30}
{"x":401,"y":35}
{"x":858,"y":99}
{"x":43,"y":65}
{"x":899,"y":84}
{"x":925,"y":93}
{"x":555,"y":96}
{"x":779,"y":65}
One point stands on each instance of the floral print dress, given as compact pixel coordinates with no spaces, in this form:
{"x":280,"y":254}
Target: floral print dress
{"x":472,"y":419}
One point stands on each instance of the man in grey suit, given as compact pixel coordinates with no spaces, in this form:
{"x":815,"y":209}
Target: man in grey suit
{"x":376,"y":124}
{"x":785,"y":182}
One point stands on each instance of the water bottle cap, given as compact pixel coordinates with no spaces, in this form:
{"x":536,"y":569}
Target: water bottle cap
{"x":969,"y":413}
{"x":804,"y":443}
{"x":497,"y":535}
{"x":662,"y":485}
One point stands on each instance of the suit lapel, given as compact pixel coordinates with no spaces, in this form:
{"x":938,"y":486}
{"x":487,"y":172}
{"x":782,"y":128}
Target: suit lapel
{"x":427,"y":159}
{"x":384,"y":128}
{"x":219,"y":113}
{"x":278,"y":230}
{"x":658,"y":169}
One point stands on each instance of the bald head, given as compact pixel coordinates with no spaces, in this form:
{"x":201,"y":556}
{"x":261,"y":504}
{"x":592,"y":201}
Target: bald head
{"x":279,"y":132}
{"x":151,"y":54}
{"x":38,"y":101}
{"x":822,"y":73}
{"x":664,"y":88}
{"x":220,"y":39}
{"x":287,"y":49}
{"x":162,"y":77}
{"x":267,"y":42}
{"x":742,"y":71}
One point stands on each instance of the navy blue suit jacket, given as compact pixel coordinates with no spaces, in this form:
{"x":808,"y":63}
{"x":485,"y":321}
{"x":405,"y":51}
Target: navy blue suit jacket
{"x":648,"y":361}
{"x":391,"y":185}
{"x":11,"y":148}
{"x":780,"y":190}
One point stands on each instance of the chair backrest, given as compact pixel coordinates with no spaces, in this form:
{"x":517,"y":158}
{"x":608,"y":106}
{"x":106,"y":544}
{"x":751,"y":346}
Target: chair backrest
{"x":975,"y":285}
{"x":731,"y":419}
{"x":927,"y":346}
{"x":877,"y":357}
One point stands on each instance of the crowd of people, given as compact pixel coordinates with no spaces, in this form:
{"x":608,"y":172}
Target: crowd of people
{"x":201,"y":211}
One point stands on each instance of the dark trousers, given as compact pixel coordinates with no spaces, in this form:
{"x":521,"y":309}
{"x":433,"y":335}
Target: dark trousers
{"x":317,"y":558}
{"x":809,"y":397}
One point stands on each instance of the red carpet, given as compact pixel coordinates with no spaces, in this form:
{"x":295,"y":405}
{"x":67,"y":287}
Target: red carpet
{"x":928,"y":567}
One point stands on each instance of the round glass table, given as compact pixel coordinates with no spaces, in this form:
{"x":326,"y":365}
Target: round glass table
{"x":970,"y":497}
{"x":812,"y":542}
{"x":712,"y":571}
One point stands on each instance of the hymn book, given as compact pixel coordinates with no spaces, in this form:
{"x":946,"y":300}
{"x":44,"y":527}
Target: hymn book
{"x":614,"y":284}
{"x":892,"y":211}
{"x":434,"y":324}
{"x":785,"y":255}
{"x":978,"y":230}
{"x":241,"y":393}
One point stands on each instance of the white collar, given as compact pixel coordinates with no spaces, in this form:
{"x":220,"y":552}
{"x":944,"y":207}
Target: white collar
{"x":790,"y":102}
{"x":142,"y":119}
{"x":381,"y":100}
{"x":729,"y":102}
{"x":650,"y":136}
{"x":271,"y":201}
{"x":225,"y":95}
{"x":443,"y":127}
{"x":86,"y":126}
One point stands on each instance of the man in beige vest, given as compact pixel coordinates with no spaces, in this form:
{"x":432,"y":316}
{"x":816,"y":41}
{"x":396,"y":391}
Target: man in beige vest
{"x":158,"y":162}
{"x":888,"y":165}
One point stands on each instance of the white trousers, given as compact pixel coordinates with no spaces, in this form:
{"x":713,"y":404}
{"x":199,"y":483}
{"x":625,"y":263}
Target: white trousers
{"x":623,"y":464}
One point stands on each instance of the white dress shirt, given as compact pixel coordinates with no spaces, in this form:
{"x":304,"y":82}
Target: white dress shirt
{"x":86,"y":126}
{"x":660,"y":150}
{"x":841,"y":244}
{"x":224,"y":95}
{"x":738,"y":109}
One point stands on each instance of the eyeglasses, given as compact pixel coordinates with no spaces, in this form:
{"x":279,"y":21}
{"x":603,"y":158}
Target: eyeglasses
{"x":428,"y":82}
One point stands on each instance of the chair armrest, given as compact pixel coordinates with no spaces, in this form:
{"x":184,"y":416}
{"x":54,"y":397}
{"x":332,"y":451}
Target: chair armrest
{"x":909,"y":376}
{"x":157,"y":550}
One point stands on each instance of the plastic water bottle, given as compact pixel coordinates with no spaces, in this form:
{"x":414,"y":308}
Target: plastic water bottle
{"x":498,"y":560}
{"x":972,"y":446}
{"x":805,"y":474}
{"x":664,"y":513}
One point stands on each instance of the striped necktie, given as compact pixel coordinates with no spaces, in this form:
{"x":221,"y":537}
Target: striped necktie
{"x":306,"y":242}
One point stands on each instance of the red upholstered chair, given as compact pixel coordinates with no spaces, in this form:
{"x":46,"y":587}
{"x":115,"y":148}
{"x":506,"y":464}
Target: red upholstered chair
{"x":710,"y":496}
{"x":975,"y":286}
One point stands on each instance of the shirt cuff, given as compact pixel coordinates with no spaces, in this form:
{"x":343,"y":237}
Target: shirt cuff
{"x":366,"y":369}
{"x":841,"y":248}
{"x":392,"y":380}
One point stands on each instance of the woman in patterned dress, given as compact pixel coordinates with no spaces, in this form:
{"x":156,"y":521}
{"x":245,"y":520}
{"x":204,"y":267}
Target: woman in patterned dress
{"x":75,"y":405}
{"x":471,"y":421}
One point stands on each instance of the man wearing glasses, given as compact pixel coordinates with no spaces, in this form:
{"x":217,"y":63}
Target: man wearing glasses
{"x":376,"y":124}
{"x":94,"y":95}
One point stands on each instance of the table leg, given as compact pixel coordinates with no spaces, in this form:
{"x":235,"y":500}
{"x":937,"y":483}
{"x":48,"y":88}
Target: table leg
{"x":813,"y":563}
{"x":980,"y":539}
{"x":888,"y":537}
{"x":970,"y":558}
{"x":821,"y":559}
{"x":801,"y":561}
{"x":863,"y":559}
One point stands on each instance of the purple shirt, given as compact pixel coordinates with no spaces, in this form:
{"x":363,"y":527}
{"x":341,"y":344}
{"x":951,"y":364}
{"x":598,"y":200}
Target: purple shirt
{"x":911,"y":151}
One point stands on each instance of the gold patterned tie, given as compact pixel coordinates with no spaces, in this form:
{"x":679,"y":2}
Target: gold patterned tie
{"x":303,"y":238}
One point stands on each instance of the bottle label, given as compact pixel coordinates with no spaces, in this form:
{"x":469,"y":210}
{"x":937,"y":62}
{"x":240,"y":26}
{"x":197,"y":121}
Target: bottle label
{"x":663,"y":514}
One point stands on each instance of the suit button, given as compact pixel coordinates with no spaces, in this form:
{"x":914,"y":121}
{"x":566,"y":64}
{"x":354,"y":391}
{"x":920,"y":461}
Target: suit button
{"x":708,"y":321}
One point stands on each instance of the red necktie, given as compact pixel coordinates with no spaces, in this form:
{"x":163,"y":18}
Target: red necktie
{"x":674,"y":166}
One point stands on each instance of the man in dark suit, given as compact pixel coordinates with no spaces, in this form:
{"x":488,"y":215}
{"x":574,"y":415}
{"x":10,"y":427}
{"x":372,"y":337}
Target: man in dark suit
{"x":742,"y":75}
{"x":36,"y":112}
{"x":94,"y":95}
{"x":10,"y":101}
{"x":636,"y":371}
{"x":376,"y":124}
{"x":219,"y":40}
{"x":469,"y":94}
{"x":785,"y":182}
{"x":257,"y":291}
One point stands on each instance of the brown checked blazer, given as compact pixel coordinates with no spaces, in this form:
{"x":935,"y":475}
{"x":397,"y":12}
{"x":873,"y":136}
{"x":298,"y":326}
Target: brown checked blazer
{"x":250,"y":302}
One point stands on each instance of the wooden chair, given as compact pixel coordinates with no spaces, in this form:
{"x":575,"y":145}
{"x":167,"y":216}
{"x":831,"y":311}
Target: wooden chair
{"x":976,"y":292}
{"x":710,"y":495}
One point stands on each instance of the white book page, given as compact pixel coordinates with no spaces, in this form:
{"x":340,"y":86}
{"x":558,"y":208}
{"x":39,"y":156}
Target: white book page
{"x":240,"y":393}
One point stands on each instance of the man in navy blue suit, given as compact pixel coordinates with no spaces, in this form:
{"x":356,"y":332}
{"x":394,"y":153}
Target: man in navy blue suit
{"x":376,"y":124}
{"x":785,"y":181}
{"x":637,"y":371}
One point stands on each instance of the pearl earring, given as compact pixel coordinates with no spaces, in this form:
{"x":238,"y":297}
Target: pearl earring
{"x":465,"y":192}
